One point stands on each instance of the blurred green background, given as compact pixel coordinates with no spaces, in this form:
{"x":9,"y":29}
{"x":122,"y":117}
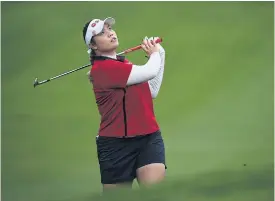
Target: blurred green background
{"x":215,"y":107}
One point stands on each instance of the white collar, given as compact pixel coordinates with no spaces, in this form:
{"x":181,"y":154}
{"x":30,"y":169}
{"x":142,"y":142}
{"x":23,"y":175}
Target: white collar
{"x":113,"y":56}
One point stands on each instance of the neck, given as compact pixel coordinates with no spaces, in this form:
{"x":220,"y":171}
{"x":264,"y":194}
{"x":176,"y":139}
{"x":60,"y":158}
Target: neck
{"x":111,"y":54}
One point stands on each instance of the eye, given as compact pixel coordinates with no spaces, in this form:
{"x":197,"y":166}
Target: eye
{"x":110,"y":28}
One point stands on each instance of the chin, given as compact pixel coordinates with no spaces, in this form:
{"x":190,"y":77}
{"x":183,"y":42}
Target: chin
{"x":115,"y":45}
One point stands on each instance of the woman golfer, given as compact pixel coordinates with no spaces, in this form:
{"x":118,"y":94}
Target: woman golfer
{"x":129,"y":142}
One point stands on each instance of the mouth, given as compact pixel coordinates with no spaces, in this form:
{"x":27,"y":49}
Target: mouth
{"x":114,"y":39}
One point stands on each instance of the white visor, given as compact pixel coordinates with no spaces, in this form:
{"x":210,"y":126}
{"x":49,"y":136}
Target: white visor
{"x":95,"y":27}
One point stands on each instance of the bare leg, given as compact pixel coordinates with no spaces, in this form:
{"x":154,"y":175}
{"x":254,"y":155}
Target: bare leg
{"x":151,"y":174}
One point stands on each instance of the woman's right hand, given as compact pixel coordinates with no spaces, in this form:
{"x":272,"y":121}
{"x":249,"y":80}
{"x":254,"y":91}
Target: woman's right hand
{"x":149,"y":46}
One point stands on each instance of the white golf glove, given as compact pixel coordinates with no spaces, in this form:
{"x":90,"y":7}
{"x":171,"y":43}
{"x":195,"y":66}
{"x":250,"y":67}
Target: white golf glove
{"x":161,"y":49}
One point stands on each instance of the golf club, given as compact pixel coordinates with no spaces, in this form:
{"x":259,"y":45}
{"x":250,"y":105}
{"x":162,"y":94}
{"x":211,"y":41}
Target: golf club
{"x":36,"y":82}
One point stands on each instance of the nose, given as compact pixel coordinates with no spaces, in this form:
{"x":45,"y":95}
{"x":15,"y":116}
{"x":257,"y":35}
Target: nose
{"x":110,"y":34}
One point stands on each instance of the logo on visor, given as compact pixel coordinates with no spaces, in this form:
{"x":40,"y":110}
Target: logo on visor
{"x":94,"y":24}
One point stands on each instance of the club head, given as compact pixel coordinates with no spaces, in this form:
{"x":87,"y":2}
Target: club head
{"x":35,"y":82}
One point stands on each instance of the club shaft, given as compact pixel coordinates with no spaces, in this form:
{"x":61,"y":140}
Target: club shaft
{"x":87,"y":65}
{"x":71,"y":71}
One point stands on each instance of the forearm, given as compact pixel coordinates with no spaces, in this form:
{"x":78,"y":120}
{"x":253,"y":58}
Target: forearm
{"x":155,"y":83}
{"x":146,"y":72}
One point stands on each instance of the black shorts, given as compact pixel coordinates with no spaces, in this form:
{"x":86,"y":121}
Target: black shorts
{"x":119,"y":158}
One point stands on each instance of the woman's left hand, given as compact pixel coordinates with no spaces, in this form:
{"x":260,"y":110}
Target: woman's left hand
{"x":161,"y":49}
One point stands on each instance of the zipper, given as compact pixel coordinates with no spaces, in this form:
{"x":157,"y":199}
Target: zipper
{"x":124,"y":112}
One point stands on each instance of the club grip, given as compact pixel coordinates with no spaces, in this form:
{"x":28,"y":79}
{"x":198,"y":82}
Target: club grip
{"x":159,"y":40}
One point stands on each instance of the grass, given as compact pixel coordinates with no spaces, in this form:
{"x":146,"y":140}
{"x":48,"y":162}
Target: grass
{"x":215,"y":107}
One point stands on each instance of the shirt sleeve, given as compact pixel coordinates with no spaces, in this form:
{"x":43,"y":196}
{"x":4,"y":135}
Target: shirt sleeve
{"x":155,"y":83}
{"x":111,"y":74}
{"x":146,"y":72}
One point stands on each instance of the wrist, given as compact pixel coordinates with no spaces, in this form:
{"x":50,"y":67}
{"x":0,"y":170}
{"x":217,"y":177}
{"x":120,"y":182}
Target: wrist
{"x":153,"y":53}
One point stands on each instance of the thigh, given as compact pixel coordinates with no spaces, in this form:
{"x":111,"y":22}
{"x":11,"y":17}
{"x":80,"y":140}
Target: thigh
{"x":151,"y":160}
{"x":151,"y":174}
{"x":117,"y":160}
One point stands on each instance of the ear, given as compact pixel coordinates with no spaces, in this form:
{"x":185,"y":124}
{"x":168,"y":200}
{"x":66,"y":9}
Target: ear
{"x":93,"y":46}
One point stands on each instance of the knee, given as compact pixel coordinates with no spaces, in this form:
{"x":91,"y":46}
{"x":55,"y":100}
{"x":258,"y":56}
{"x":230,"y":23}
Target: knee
{"x":151,"y":174}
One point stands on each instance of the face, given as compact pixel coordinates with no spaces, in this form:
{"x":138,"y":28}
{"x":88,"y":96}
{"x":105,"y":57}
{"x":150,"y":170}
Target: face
{"x":106,"y":41}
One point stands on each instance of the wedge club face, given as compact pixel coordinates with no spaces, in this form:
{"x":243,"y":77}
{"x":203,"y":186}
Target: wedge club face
{"x":35,"y":82}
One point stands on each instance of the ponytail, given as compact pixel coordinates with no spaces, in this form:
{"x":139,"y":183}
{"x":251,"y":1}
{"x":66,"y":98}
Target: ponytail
{"x":92,"y":55}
